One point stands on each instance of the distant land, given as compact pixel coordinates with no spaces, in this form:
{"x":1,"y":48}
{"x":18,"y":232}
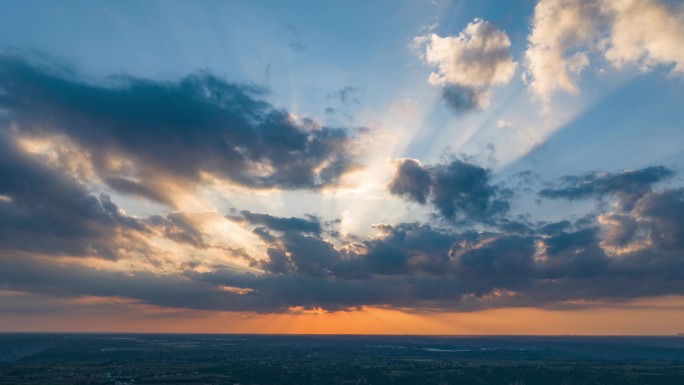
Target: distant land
{"x":85,"y":358}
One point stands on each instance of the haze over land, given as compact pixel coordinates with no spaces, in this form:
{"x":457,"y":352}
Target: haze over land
{"x":444,"y":167}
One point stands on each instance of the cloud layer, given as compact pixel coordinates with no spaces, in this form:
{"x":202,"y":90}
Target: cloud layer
{"x":65,"y":141}
{"x":632,"y":248}
{"x":619,"y":255}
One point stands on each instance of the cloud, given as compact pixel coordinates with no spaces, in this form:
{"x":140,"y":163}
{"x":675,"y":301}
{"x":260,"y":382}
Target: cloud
{"x":409,"y":248}
{"x":501,"y":123}
{"x":469,"y":65}
{"x":647,"y":33}
{"x":628,"y":185}
{"x":458,"y":190}
{"x":411,"y":180}
{"x":566,"y":33}
{"x":142,"y":136}
{"x":71,"y":280}
{"x":292,"y":224}
{"x":562,"y":31}
{"x":142,"y":190}
{"x":462,"y":99}
{"x":643,"y":221}
{"x":621,"y":229}
{"x":46,"y":211}
{"x":294,"y":245}
{"x":663,"y":214}
{"x":346,"y":95}
{"x":407,"y":265}
{"x":179,"y":227}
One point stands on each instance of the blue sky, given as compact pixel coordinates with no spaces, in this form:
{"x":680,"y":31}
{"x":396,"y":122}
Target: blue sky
{"x":244,"y":147}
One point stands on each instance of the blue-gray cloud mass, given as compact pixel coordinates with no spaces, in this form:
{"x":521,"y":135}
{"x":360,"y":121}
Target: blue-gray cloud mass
{"x":138,"y":134}
{"x":458,"y":189}
{"x":174,"y":130}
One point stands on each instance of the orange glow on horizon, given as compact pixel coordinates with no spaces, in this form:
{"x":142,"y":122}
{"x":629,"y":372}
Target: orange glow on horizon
{"x":645,"y":317}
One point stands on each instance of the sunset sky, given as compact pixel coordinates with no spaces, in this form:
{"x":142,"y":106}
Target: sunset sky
{"x":386,"y":167}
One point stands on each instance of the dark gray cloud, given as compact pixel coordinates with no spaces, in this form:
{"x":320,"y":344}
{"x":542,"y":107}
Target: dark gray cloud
{"x":409,"y":248}
{"x":663,"y":215}
{"x":574,"y":254}
{"x":628,"y":185}
{"x":623,"y":229}
{"x":142,"y":190}
{"x":411,"y":180}
{"x":295,"y":245}
{"x":310,"y":225}
{"x":461,"y":187}
{"x":458,"y":190}
{"x":503,"y":260}
{"x":139,"y":133}
{"x":555,"y":227}
{"x":461,"y":99}
{"x":68,"y":280}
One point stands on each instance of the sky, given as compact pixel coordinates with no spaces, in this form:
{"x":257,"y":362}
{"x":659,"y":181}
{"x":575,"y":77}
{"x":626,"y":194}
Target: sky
{"x":387,"y":167}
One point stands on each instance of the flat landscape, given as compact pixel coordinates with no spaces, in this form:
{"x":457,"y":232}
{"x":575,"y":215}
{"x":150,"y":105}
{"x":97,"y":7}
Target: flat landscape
{"x":279,"y":359}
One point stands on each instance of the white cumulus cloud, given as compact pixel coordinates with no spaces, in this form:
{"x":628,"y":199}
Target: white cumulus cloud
{"x":470,"y":64}
{"x":646,"y":33}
